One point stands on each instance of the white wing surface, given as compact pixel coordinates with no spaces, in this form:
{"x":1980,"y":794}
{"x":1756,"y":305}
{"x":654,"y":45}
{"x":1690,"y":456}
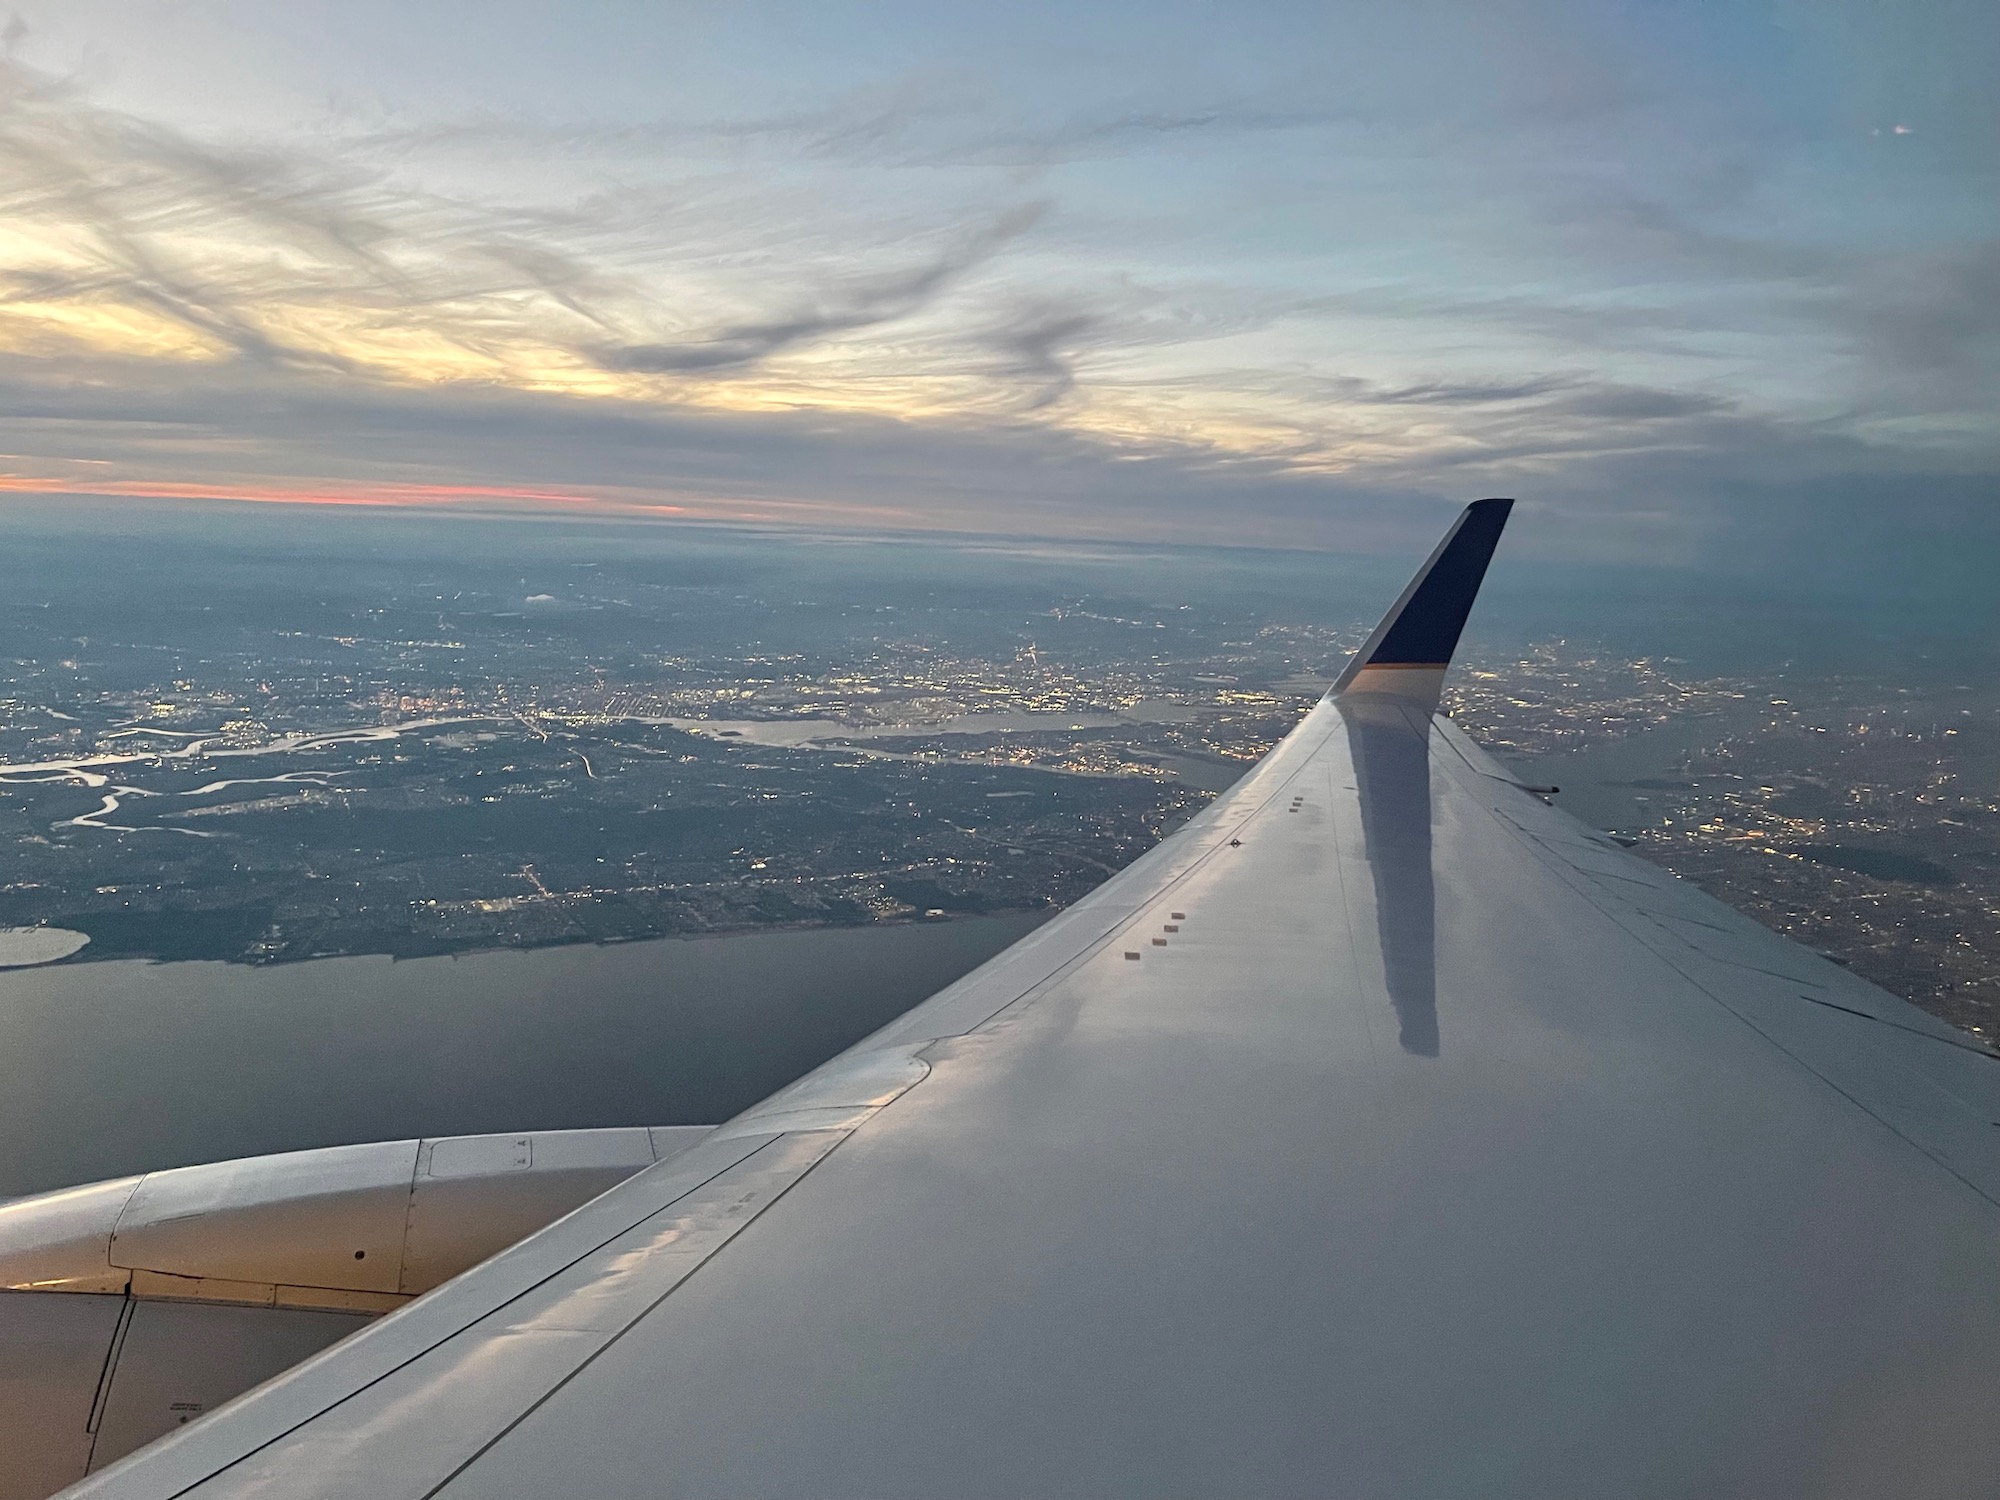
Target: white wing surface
{"x":1384,"y":1132}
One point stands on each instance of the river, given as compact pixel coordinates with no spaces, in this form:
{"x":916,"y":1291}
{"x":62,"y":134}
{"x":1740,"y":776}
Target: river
{"x":1610,"y":782}
{"x":124,"y":1066}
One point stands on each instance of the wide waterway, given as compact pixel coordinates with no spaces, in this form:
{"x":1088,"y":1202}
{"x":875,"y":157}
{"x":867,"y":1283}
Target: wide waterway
{"x":124,"y":1066}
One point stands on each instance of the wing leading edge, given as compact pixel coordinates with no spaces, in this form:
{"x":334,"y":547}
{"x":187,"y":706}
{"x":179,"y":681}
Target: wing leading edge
{"x":1383,"y":1132}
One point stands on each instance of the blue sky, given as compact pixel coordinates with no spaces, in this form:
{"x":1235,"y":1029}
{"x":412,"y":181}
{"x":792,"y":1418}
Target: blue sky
{"x":1679,"y":275}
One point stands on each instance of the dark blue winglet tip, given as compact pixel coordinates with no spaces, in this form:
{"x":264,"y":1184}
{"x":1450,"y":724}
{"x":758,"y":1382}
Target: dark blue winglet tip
{"x":1426,"y":630}
{"x":1422,"y":628}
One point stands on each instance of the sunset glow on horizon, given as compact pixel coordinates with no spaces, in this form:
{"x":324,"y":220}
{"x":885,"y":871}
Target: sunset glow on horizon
{"x":1293,"y":278}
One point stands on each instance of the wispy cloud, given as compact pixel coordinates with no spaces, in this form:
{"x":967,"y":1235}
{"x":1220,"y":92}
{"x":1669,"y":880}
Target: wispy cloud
{"x":133,"y":238}
{"x":1038,"y":348}
{"x":1296,"y":307}
{"x":921,"y":125}
{"x":866,"y":304}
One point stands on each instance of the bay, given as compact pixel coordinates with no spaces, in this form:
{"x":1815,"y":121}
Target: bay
{"x":129,"y":1066}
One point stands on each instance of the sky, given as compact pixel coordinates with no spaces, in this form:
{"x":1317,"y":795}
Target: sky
{"x":1700,"y":283}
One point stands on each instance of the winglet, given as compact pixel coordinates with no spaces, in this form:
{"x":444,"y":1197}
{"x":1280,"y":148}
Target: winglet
{"x":1412,"y":646}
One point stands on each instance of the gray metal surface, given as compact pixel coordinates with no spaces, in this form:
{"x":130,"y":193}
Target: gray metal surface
{"x":61,"y":1241}
{"x":177,"y":1360}
{"x":52,"y":1349}
{"x":376,"y":1223}
{"x":232,"y":1272}
{"x":328,"y":1218}
{"x":1428,"y":1146}
{"x":473,"y":1195}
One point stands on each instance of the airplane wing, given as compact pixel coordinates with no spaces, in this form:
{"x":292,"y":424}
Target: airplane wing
{"x":1384,"y":1132}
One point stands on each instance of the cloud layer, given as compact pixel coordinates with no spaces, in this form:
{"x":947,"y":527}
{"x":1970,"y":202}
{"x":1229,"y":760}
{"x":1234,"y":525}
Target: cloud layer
{"x":1246,"y":286}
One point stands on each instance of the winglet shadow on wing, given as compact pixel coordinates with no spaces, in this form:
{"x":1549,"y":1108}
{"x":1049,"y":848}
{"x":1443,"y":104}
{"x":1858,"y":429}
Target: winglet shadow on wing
{"x":1392,"y":777}
{"x":1386,"y":696}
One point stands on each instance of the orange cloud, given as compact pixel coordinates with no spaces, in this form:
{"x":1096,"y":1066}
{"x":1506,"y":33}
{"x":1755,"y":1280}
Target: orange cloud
{"x":607,"y":502}
{"x":324,"y":492}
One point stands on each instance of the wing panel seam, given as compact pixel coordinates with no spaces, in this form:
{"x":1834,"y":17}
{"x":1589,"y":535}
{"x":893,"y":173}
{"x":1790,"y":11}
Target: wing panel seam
{"x":217,"y":1470}
{"x":644,"y":1313}
{"x":1572,"y":876}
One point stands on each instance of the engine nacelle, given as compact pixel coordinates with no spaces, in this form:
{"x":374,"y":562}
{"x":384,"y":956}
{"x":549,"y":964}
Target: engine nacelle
{"x":130,"y":1307}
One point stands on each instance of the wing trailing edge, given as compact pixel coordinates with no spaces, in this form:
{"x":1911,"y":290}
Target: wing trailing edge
{"x":1408,"y":652}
